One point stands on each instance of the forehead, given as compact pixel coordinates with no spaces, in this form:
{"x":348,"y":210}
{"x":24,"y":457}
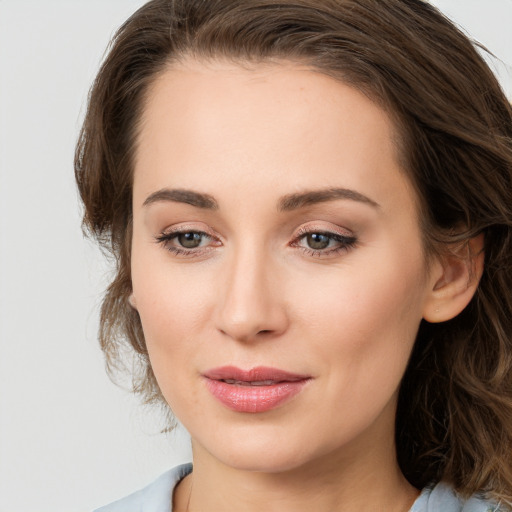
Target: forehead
{"x":273,"y":126}
{"x":206,"y":94}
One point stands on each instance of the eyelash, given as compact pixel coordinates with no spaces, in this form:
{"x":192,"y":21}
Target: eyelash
{"x":165,"y":240}
{"x":346,"y":242}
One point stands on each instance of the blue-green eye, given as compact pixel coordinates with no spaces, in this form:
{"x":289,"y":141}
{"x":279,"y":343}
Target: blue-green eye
{"x":323,"y":243}
{"x":186,"y":243}
{"x":189,"y":240}
{"x":318,"y":241}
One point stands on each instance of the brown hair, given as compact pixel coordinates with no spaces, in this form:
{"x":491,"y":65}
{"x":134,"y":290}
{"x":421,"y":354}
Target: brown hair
{"x":454,"y":418}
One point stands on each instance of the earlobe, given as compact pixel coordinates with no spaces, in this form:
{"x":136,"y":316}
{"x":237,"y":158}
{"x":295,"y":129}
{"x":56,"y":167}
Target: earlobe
{"x":455,"y":282}
{"x":131,"y":301}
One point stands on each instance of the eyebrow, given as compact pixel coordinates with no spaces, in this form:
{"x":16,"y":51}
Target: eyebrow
{"x":204,"y":201}
{"x":300,"y":200}
{"x":287,"y":203}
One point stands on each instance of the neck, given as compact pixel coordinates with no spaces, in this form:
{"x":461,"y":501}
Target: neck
{"x":334,"y":483}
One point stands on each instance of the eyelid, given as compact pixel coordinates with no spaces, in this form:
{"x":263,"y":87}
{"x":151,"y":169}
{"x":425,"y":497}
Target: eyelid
{"x":315,"y":227}
{"x":166,"y":238}
{"x":188,"y":227}
{"x":344,"y":239}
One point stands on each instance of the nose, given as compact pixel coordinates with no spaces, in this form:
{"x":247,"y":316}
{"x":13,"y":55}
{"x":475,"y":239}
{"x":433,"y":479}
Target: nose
{"x":250,"y":304}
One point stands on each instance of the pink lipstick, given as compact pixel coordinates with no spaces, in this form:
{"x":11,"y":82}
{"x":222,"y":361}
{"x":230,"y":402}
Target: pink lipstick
{"x":257,"y":390}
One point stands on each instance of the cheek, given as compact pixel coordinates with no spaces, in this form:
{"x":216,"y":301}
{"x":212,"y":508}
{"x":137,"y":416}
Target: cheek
{"x":171,"y":317}
{"x":167,"y":293}
{"x":166,"y":300}
{"x":173,"y":306}
{"x":171,"y":320}
{"x":363,"y":325}
{"x":365,"y":295}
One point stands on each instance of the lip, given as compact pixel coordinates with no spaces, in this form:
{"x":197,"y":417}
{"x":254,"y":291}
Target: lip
{"x":256,"y":390}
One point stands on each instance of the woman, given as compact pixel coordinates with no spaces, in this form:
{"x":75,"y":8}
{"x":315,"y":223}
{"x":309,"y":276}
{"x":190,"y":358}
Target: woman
{"x":309,"y":203}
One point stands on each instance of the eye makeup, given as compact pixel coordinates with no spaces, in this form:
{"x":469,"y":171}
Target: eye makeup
{"x":321,"y":243}
{"x":315,"y":242}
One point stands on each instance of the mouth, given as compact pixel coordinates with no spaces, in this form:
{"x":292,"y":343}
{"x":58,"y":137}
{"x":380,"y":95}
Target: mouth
{"x":257,"y":390}
{"x":251,"y":383}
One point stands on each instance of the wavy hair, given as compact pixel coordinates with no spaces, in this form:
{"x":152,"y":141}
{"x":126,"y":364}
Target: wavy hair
{"x":454,"y":416}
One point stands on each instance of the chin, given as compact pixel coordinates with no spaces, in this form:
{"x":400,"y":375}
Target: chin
{"x":265,"y":449}
{"x":263,"y":461}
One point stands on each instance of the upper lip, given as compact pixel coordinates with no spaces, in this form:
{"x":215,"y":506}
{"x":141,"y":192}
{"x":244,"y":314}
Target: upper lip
{"x":257,"y":374}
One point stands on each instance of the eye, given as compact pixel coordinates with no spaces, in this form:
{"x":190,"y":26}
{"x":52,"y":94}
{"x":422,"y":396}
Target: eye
{"x":323,"y":243}
{"x":318,"y":241}
{"x":184,"y":242}
{"x":190,"y":240}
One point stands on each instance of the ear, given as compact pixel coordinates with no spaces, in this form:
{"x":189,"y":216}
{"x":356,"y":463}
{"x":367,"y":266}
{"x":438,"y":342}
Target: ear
{"x":454,"y":278}
{"x":131,"y":301}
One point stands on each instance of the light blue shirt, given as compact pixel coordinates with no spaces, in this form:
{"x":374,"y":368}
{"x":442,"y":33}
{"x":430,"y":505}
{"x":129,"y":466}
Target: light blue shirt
{"x":157,"y":497}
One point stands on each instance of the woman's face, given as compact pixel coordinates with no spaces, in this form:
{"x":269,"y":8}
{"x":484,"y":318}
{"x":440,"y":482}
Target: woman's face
{"x":277,"y":262}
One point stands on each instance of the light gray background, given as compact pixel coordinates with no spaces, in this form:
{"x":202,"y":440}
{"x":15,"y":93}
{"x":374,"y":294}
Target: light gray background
{"x":69,"y":439}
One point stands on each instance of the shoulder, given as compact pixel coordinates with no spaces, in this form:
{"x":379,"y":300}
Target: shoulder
{"x":156,"y":497}
{"x":443,"y":498}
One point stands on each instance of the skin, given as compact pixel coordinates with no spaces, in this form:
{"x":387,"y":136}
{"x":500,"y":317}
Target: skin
{"x":253,"y":293}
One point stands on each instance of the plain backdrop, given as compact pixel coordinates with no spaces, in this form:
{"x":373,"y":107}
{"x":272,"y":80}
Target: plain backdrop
{"x":69,"y":439}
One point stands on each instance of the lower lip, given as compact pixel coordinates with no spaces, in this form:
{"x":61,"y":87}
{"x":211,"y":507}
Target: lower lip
{"x":254,"y":398}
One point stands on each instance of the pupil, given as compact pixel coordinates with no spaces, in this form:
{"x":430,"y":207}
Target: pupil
{"x":189,"y":240}
{"x":318,"y":241}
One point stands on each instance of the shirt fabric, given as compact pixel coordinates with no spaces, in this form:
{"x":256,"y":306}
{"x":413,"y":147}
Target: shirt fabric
{"x":157,"y":497}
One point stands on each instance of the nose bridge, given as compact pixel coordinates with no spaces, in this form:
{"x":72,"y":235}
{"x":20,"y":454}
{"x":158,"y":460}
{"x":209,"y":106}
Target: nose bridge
{"x":251,"y":303}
